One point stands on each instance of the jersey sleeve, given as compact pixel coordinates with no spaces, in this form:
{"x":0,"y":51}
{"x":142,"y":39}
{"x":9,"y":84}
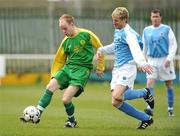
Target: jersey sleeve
{"x":96,"y":43}
{"x":59,"y":60}
{"x":144,"y":44}
{"x":137,"y":54}
{"x":107,"y":49}
{"x":172,"y":45}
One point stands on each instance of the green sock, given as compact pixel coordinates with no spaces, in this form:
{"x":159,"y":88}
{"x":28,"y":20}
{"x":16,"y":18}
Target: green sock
{"x":44,"y":100}
{"x":70,"y":111}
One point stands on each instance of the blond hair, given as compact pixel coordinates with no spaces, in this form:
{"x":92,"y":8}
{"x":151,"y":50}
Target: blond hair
{"x":121,"y":12}
{"x":68,"y":18}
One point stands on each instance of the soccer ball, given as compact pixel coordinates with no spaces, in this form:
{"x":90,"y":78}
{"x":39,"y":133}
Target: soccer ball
{"x":31,"y":113}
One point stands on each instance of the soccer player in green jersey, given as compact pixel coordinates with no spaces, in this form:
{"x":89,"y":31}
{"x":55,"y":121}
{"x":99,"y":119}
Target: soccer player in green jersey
{"x":71,"y":67}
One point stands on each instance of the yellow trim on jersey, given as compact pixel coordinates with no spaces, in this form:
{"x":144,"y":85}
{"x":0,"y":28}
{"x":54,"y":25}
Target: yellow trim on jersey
{"x":59,"y":60}
{"x":61,"y":57}
{"x":96,"y":43}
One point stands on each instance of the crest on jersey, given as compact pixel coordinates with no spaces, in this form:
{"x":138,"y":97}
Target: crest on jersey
{"x":82,"y":42}
{"x":161,"y":34}
{"x":80,"y":47}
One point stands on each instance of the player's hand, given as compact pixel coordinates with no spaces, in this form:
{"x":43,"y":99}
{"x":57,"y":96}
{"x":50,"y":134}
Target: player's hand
{"x":98,"y":55}
{"x":166,"y":63}
{"x":99,"y":73}
{"x":147,"y":68}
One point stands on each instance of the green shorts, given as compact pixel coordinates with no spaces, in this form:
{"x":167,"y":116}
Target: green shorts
{"x":73,"y":75}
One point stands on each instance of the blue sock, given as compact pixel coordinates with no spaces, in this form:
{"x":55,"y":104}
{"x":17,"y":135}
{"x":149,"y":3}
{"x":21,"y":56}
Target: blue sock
{"x":133,"y":112}
{"x":170,"y":97}
{"x":130,"y":94}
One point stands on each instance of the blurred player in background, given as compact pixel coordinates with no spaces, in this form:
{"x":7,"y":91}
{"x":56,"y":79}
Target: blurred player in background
{"x":127,"y":51}
{"x":160,"y":48}
{"x":71,"y":67}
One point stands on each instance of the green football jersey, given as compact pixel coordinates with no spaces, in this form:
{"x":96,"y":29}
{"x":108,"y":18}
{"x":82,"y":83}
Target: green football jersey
{"x":78,"y":50}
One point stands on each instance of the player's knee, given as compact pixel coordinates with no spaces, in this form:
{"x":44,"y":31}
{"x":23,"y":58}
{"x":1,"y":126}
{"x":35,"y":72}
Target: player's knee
{"x":169,"y":84}
{"x":150,"y":83}
{"x":52,"y":85}
{"x":65,"y":100}
{"x":116,"y":102}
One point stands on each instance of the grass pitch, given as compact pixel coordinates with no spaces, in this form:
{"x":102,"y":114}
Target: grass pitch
{"x":94,"y":113}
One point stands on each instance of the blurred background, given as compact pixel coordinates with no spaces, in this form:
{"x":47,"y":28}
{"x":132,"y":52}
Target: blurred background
{"x":30,"y":35}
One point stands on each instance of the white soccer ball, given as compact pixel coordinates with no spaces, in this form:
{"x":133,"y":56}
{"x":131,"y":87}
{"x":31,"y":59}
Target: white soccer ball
{"x":31,"y":113}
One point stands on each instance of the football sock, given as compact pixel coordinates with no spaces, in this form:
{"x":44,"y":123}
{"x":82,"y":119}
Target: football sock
{"x":170,"y":97}
{"x":133,"y":112}
{"x":44,"y":100}
{"x":130,"y":94}
{"x":70,"y":111}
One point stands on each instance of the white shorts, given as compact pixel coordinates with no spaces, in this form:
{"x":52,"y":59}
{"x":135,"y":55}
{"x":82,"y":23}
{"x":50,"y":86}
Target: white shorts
{"x":159,"y":71}
{"x":124,"y":75}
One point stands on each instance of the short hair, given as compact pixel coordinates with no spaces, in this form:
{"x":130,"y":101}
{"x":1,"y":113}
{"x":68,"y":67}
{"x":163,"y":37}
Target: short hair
{"x":156,"y":11}
{"x":69,"y":18}
{"x":121,"y":12}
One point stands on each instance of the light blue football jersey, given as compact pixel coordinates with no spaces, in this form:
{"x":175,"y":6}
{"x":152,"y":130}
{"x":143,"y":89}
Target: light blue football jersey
{"x":121,"y":42}
{"x":157,"y":40}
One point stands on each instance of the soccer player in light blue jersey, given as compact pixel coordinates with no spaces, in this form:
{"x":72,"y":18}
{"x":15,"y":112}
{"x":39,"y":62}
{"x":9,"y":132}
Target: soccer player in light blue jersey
{"x":160,"y":48}
{"x":126,"y":48}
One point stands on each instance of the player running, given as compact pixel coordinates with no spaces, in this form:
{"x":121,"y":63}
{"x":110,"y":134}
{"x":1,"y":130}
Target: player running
{"x":127,"y":51}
